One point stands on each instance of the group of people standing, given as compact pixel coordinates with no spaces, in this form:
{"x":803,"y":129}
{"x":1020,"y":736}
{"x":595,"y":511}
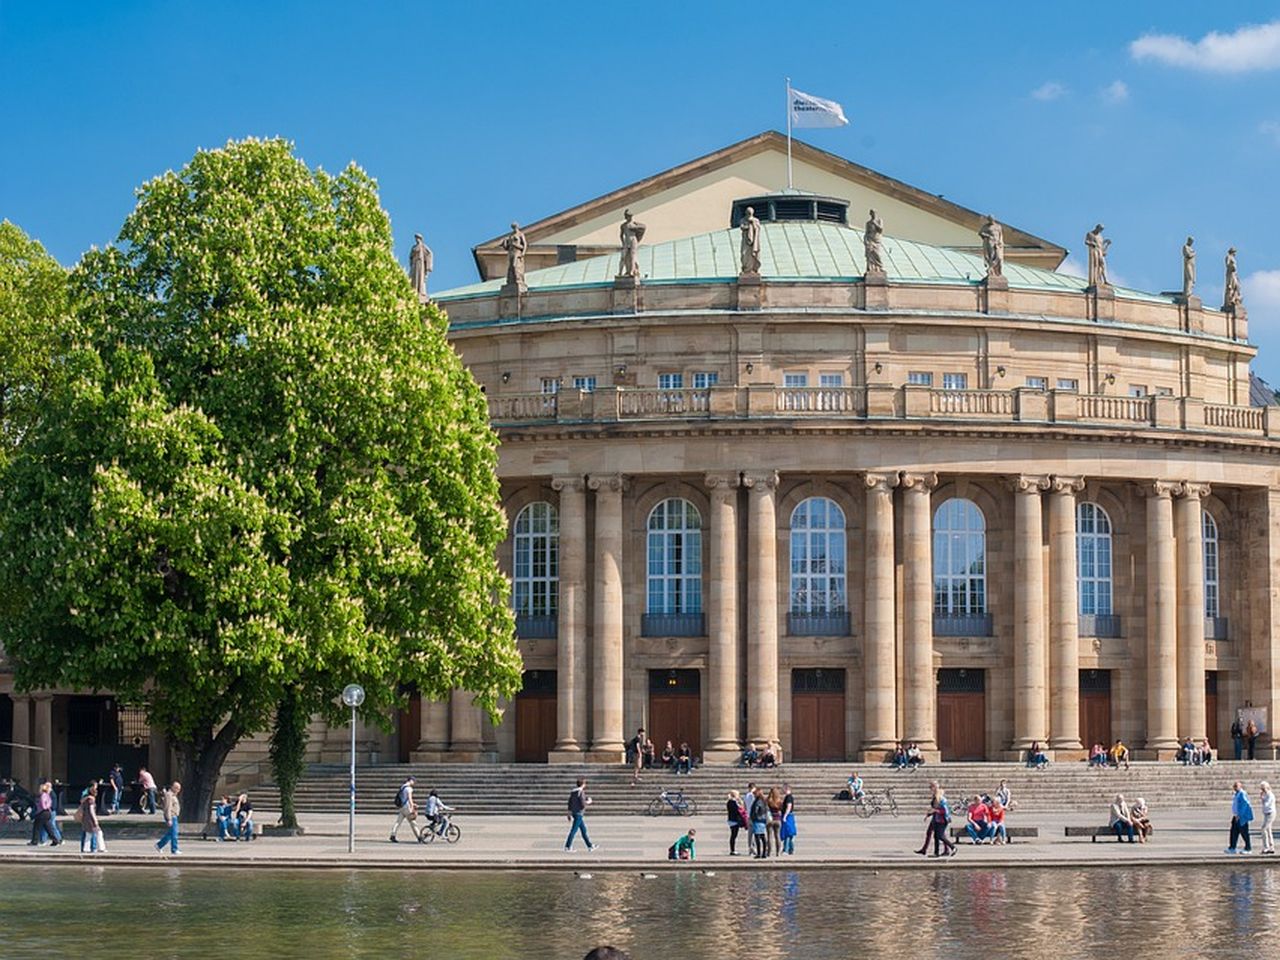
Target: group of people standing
{"x":769,"y":817}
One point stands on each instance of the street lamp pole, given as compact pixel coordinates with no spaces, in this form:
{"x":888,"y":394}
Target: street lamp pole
{"x":352,"y":696}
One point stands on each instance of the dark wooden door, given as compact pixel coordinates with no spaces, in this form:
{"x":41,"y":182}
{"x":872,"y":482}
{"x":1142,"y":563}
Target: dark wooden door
{"x":675,"y":709}
{"x":536,"y":716}
{"x":1095,"y":707}
{"x":410,"y":728}
{"x":1211,"y":708}
{"x":817,"y":715}
{"x":962,"y":714}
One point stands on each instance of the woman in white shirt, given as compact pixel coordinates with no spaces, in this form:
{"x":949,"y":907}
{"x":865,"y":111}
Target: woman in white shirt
{"x":1268,"y":818}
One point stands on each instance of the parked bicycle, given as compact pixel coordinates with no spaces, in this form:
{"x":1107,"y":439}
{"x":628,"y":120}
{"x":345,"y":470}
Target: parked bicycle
{"x":871,"y":803}
{"x":672,"y":801}
{"x":444,"y":828}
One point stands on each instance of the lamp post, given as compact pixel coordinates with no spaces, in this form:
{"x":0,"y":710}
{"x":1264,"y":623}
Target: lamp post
{"x":352,"y":696}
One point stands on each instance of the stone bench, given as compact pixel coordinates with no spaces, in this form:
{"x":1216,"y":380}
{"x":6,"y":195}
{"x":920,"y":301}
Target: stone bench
{"x":1026,"y":833}
{"x":1093,"y":833}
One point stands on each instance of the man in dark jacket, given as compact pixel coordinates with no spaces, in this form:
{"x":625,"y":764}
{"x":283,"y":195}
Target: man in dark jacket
{"x":578,"y":803}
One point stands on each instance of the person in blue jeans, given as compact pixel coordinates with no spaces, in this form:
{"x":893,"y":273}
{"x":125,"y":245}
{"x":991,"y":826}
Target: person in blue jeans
{"x":1121,"y":819}
{"x":172,"y":808}
{"x":1241,"y":817}
{"x":578,"y":803}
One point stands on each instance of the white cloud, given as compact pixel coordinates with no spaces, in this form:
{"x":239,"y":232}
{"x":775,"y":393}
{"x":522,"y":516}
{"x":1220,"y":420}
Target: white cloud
{"x":1115,"y":92}
{"x":1270,"y":128}
{"x":1073,"y":267}
{"x":1249,"y":48}
{"x":1049,"y":91}
{"x":1261,"y":291}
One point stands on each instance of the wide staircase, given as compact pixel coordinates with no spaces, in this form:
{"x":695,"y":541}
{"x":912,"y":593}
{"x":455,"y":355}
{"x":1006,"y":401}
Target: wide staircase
{"x":526,"y":789}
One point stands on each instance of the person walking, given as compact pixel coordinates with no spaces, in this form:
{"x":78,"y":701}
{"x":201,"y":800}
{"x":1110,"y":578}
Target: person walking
{"x":942,"y":825}
{"x":736,"y":814}
{"x":928,"y":830}
{"x":87,"y":814}
{"x":406,"y":809}
{"x":147,"y":791}
{"x":42,"y":823}
{"x":578,"y":803}
{"x":1268,"y":804}
{"x":116,"y":779}
{"x":788,"y":830}
{"x":1241,"y":816}
{"x":1237,"y":736}
{"x":171,"y":807}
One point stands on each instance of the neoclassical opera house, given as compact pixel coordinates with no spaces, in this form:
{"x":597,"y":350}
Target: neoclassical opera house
{"x":836,"y":508}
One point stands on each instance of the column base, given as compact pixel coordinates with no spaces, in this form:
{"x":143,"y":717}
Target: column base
{"x":469,"y":756}
{"x":603,"y":755}
{"x":1023,"y":744}
{"x":563,"y":755}
{"x":1068,"y":744}
{"x":1069,"y":754}
{"x":428,"y":756}
{"x":1154,"y":752}
{"x":876,"y":751}
{"x":721,"y":754}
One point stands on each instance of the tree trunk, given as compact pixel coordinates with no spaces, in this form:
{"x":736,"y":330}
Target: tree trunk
{"x":200,"y":765}
{"x":288,"y":753}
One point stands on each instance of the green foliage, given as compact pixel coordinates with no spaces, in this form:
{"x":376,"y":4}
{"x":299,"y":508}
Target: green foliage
{"x":261,"y":468}
{"x":288,"y":752}
{"x":33,"y":306}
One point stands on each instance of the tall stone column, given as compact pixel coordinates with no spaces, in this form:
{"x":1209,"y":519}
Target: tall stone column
{"x":1189,"y":519}
{"x":1162,"y":623}
{"x":879,"y":650}
{"x":433,"y":732}
{"x":22,"y":765}
{"x":43,"y":739}
{"x":1064,"y":625}
{"x":722,"y":620}
{"x":1030,"y":660}
{"x":762,"y":609}
{"x":606,"y":716}
{"x":571,"y":630}
{"x":919,"y":689}
{"x":464,"y":726}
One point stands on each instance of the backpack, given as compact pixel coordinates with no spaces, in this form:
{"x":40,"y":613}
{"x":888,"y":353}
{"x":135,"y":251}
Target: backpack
{"x":401,"y":799}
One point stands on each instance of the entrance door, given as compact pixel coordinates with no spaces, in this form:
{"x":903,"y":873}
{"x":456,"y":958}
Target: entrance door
{"x":1211,"y":707}
{"x":100,"y":732}
{"x":536,"y":716}
{"x":1095,"y":707}
{"x":817,"y":715}
{"x":410,"y":728}
{"x":675,"y":709}
{"x":962,"y":714}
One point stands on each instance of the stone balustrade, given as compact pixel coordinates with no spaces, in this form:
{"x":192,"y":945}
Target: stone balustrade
{"x":882,"y":401}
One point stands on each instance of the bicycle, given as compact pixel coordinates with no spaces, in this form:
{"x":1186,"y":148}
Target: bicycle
{"x":674,"y":801}
{"x":444,"y":828}
{"x":871,"y":803}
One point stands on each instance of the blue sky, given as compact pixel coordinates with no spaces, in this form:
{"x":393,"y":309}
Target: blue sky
{"x":1052,"y":116}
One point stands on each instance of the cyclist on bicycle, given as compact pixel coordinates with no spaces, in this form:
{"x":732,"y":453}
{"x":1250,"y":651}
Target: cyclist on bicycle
{"x":436,"y":809}
{"x":856,"y":791}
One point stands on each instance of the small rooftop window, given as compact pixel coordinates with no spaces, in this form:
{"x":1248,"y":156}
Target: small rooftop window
{"x":793,"y":206}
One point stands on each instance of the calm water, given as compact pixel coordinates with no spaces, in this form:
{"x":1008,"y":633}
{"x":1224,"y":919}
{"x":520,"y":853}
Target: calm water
{"x":1152,"y":912}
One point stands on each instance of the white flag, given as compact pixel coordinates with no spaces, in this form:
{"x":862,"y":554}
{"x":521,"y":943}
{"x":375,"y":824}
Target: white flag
{"x":810,"y":111}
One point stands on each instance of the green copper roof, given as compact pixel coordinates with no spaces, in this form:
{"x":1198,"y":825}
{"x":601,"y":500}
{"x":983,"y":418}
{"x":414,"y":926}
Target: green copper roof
{"x":788,"y":251}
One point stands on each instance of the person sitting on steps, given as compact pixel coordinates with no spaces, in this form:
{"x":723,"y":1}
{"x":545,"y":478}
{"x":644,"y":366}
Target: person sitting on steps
{"x":684,"y":759}
{"x":668,"y":756}
{"x":915,"y":758}
{"x":750,"y":756}
{"x":1119,"y":755}
{"x":1097,"y":755}
{"x":856,"y":791}
{"x":1037,"y":759}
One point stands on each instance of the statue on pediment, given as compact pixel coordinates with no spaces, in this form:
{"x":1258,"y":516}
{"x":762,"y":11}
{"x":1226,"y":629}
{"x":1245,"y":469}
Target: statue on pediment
{"x":872,"y":245}
{"x":631,"y":233}
{"x":992,"y":235}
{"x":1097,"y":248}
{"x":750,"y":228}
{"x":1188,"y":266}
{"x":515,"y":244}
{"x":420,"y":264}
{"x":1232,"y":297}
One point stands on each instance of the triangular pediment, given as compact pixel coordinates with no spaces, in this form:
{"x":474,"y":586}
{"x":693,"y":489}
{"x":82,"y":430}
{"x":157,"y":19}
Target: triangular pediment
{"x":696,"y":198}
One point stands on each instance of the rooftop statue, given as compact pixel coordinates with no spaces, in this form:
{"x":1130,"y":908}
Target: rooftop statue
{"x":992,"y":235}
{"x":631,"y":233}
{"x":1097,"y":256}
{"x":420,"y":263}
{"x":872,"y":246}
{"x":515,"y":244}
{"x":1188,"y":266}
{"x":750,"y":227}
{"x":1232,"y":298}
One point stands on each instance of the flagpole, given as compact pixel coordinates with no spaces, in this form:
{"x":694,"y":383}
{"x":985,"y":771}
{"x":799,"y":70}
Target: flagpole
{"x":788,"y":133}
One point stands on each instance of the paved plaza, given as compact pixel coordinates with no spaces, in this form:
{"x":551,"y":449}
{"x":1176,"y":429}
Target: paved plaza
{"x":630,"y":842}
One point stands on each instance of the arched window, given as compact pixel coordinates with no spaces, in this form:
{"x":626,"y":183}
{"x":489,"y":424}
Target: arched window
{"x":817,"y":558}
{"x":1093,"y":559}
{"x":1211,"y":607}
{"x":675,"y":558}
{"x":535,"y":584}
{"x":959,"y":559}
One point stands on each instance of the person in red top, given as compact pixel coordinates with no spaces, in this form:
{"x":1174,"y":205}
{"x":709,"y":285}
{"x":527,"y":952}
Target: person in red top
{"x":998,"y":832}
{"x":979,"y":825}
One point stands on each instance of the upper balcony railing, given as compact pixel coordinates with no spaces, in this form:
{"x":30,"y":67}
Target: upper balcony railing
{"x":884,"y":402}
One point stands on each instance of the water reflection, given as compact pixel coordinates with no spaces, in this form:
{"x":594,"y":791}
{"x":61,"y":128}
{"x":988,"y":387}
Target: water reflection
{"x":1168,"y":912}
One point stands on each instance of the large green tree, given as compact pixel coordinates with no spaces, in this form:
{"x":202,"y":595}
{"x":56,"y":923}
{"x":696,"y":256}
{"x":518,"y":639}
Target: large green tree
{"x":33,"y":305}
{"x":261,"y":472}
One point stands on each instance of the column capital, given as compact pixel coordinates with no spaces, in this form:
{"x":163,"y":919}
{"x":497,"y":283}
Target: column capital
{"x":918,"y":482}
{"x":1160,"y":489}
{"x":576,"y":484}
{"x":765,"y":479}
{"x":1065,"y":485}
{"x":722,"y":482}
{"x":20,"y":697}
{"x":880,"y":482}
{"x":614,"y":482}
{"x":1028,"y":483}
{"x":1190,"y":490}
{"x":42,"y":695}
